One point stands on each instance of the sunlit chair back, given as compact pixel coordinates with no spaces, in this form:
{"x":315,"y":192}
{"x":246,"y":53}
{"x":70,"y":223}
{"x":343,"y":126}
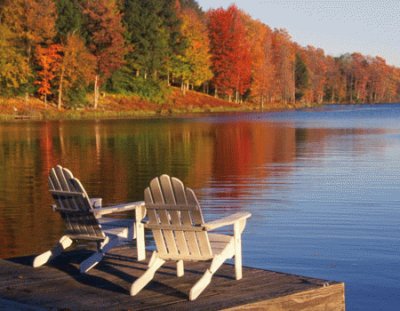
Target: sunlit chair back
{"x":176,"y":220}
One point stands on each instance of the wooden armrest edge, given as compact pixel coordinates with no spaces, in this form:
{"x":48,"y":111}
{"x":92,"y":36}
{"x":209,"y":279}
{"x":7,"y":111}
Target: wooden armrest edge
{"x":118,"y":208}
{"x":226,"y":221}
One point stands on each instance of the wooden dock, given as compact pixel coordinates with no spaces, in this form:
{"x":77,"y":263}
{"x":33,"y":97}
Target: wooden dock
{"x":59,"y":285}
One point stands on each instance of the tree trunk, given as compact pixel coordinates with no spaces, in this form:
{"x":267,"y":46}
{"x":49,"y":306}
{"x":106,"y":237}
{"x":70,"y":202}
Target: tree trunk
{"x":262,"y":102}
{"x":96,"y":91}
{"x":183,"y":88}
{"x":60,"y":89}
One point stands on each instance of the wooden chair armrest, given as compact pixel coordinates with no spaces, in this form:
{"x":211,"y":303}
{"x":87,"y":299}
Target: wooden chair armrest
{"x":118,"y":208}
{"x":226,"y":221}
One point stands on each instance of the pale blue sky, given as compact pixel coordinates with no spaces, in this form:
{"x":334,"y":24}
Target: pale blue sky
{"x":371,"y":27}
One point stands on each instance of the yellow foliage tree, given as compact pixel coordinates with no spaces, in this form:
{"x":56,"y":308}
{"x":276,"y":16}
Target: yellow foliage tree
{"x":14,"y":69}
{"x":196,"y":56}
{"x":77,"y":66}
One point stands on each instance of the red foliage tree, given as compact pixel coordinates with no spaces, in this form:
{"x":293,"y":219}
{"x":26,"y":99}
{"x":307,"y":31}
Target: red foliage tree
{"x":231,"y":60}
{"x":104,"y":24}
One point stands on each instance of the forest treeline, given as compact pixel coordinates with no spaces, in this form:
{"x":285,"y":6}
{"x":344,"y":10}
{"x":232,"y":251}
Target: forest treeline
{"x":58,"y":50}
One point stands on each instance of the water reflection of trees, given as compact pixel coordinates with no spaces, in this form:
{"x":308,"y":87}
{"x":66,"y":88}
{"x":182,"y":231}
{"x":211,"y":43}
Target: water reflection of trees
{"x":116,"y":160}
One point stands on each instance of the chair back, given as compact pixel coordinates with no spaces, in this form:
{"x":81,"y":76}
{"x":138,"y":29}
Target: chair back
{"x":176,"y":220}
{"x":74,"y":205}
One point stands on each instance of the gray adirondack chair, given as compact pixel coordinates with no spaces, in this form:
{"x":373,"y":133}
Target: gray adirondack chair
{"x":85,"y":223}
{"x":181,"y":234}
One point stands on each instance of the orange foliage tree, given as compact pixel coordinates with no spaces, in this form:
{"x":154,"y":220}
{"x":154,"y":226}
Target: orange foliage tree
{"x":48,"y":59}
{"x":283,"y":58}
{"x":316,"y":63}
{"x":262,"y":68}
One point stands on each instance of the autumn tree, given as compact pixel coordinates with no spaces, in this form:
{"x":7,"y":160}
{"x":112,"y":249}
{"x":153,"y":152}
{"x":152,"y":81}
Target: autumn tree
{"x":105,"y":38}
{"x":284,"y":60}
{"x":360,"y":76}
{"x":262,"y":69}
{"x":32,"y":20}
{"x":231,"y":62}
{"x":48,"y":59}
{"x":335,"y":89}
{"x":196,"y":55}
{"x":316,"y":63}
{"x":33,"y":23}
{"x":14,"y":68}
{"x":378,"y":80}
{"x":77,"y":69}
{"x":41,"y":16}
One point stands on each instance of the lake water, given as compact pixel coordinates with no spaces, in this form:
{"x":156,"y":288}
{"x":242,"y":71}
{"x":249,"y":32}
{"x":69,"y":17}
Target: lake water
{"x":323,"y":185}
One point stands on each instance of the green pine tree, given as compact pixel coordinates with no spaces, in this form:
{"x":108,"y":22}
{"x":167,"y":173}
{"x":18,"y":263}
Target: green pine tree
{"x":69,"y":19}
{"x":301,"y":77}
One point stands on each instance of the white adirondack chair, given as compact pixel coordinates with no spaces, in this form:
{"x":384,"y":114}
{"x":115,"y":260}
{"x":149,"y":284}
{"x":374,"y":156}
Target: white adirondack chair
{"x":181,"y":234}
{"x":84,"y":222}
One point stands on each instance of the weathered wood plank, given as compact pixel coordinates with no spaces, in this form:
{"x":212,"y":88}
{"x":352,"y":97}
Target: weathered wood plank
{"x":324,"y":298}
{"x":60,"y":285}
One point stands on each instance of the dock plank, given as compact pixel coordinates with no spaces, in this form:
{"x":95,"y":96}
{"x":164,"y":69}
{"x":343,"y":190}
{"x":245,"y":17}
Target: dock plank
{"x":60,"y":285}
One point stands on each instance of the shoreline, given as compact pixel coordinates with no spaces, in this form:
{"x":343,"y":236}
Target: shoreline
{"x":113,"y":106}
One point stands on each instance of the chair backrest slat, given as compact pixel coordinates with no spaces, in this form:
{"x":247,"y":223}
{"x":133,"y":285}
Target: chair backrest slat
{"x":164,"y":216}
{"x":197,"y":218}
{"x":74,"y":204}
{"x":176,"y":222}
{"x":153,"y":219}
{"x":169,"y":190}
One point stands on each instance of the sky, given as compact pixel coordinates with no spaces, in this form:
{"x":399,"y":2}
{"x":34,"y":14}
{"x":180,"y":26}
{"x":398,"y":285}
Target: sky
{"x":371,"y":27}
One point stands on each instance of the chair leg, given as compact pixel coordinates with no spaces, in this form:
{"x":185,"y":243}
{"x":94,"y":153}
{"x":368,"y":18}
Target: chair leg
{"x":217,"y":262}
{"x":180,"y":270}
{"x":141,"y":282}
{"x":152,"y":258}
{"x":94,"y":259}
{"x":201,"y":284}
{"x":139,"y":234}
{"x":62,"y":244}
{"x":238,"y":229}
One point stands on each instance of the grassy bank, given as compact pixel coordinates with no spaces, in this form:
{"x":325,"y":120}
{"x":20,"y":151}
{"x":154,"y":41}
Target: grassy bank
{"x":121,"y":106}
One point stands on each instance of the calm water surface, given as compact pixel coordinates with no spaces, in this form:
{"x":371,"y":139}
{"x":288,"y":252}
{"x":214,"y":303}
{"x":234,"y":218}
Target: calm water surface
{"x":323,"y":185}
